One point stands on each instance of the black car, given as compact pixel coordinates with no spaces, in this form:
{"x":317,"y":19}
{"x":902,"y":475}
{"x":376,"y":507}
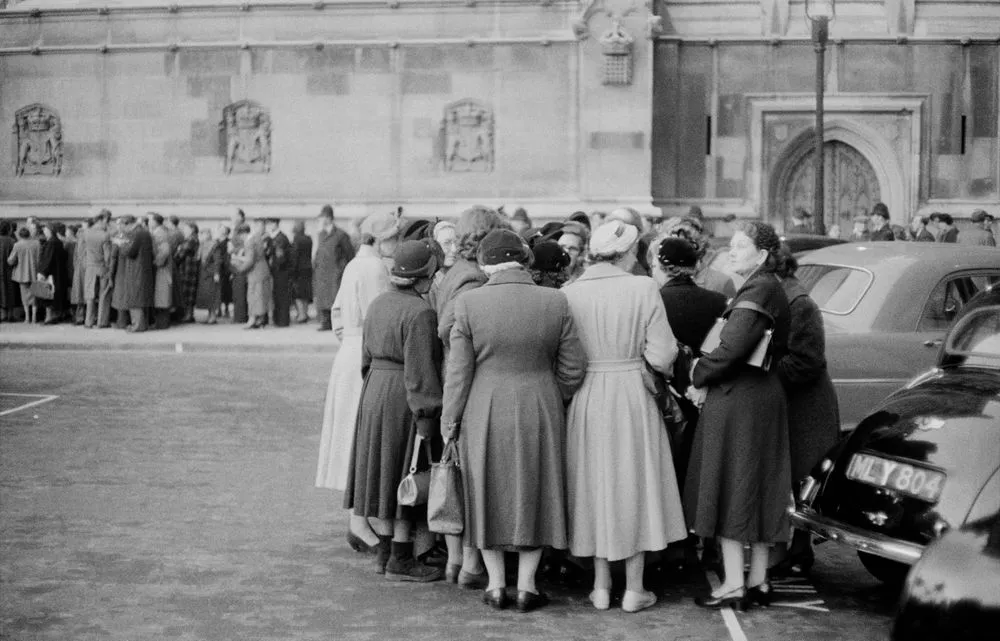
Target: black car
{"x":925,"y":461}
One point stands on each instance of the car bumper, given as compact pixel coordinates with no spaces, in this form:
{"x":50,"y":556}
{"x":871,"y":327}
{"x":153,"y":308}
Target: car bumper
{"x":806,"y":518}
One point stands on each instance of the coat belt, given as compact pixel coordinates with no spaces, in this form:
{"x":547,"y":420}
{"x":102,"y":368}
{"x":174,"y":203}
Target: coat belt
{"x":384,"y":363}
{"x":615,"y":366}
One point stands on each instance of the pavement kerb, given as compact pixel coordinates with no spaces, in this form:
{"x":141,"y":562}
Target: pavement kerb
{"x":177,"y":347}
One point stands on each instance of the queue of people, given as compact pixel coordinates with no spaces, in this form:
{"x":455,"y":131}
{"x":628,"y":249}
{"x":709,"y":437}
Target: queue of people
{"x":150,"y":272}
{"x":551,"y":370}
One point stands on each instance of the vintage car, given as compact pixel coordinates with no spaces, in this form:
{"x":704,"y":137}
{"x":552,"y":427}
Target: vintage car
{"x":953,"y":592}
{"x":925,"y":461}
{"x":886,"y":307}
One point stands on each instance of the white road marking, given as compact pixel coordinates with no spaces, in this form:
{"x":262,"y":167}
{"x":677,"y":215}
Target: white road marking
{"x":41,"y":398}
{"x":814,"y":605}
{"x":728,"y":616}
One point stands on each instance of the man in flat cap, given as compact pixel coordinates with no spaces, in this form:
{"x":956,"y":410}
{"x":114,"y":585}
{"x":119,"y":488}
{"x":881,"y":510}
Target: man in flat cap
{"x":979,"y":233}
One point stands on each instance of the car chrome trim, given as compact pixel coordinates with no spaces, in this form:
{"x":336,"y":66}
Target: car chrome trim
{"x":864,"y":292}
{"x":870,"y":381}
{"x":806,"y":518}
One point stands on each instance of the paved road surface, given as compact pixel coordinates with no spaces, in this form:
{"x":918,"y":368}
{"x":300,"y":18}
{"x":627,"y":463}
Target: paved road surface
{"x":170,"y":496}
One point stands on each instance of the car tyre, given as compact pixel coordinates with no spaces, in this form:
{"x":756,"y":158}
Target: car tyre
{"x":888,"y":572}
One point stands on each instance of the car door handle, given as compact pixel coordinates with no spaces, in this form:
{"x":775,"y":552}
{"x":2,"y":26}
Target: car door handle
{"x":934,"y":342}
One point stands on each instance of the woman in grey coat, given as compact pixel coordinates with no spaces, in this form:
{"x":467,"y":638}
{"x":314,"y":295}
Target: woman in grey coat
{"x":514,"y":360}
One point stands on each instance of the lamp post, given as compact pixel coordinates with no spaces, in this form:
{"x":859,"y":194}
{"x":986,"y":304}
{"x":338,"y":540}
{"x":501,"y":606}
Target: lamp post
{"x":819,"y":13}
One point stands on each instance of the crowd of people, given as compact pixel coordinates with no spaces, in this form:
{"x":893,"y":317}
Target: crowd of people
{"x":876,"y":226}
{"x":151,"y":272}
{"x":595,"y":423}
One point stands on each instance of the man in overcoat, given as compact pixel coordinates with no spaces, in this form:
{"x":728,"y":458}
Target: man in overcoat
{"x":138,"y":280}
{"x":281,"y":273}
{"x":302,"y":271}
{"x":163,"y":260}
{"x":333,"y":253}
{"x":97,"y":271}
{"x":979,"y":233}
{"x":880,"y":223}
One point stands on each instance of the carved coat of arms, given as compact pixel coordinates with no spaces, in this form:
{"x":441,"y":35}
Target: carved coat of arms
{"x":466,"y":137}
{"x":247,"y":130}
{"x":38,"y":136}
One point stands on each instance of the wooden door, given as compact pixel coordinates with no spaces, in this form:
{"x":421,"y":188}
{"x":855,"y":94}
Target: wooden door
{"x":849,"y":182}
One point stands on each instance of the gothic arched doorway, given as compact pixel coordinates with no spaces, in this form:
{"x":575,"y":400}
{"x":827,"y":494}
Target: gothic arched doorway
{"x":850,"y":185}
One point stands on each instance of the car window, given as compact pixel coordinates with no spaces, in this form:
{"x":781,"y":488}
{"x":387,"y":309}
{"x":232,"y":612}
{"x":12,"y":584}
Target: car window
{"x":977,"y":337}
{"x":949,"y":297}
{"x":837,"y":289}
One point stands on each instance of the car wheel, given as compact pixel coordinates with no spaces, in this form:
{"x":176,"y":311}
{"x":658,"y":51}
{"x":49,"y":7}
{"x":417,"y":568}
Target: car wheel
{"x":886,"y":571}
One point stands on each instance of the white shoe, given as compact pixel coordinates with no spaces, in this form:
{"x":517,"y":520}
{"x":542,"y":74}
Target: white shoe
{"x":636,"y":601}
{"x":601,"y":599}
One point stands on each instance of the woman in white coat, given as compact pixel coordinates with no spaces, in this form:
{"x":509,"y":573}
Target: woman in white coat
{"x":622,"y":488}
{"x":364,"y":279}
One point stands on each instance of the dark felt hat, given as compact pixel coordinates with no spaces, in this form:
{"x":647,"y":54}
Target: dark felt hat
{"x":503,"y":246}
{"x":579,"y":217}
{"x":980,"y":215}
{"x":552,"y":231}
{"x":549,"y":256}
{"x":413,"y":259}
{"x":678,"y":252}
{"x":416,"y":229}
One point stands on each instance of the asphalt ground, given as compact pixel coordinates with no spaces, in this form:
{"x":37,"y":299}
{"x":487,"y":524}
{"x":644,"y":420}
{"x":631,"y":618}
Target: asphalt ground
{"x":167,"y":495}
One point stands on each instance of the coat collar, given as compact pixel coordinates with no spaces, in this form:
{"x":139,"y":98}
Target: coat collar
{"x":602,"y":270}
{"x":511,"y":277}
{"x":367,"y":251}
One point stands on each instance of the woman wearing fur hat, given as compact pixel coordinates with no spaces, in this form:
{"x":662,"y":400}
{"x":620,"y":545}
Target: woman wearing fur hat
{"x":623,"y":496}
{"x":400,"y":400}
{"x":514,"y":359}
{"x":365,"y":278}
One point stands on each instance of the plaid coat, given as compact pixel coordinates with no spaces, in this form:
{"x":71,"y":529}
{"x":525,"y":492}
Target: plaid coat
{"x":188,"y":265}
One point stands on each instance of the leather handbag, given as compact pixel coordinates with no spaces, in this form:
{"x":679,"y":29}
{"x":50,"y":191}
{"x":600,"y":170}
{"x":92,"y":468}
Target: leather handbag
{"x":446,"y":500}
{"x":412,"y":490}
{"x":761,"y":354}
{"x":43,"y":289}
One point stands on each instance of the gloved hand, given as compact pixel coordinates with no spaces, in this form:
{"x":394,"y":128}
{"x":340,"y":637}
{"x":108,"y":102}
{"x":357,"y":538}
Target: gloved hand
{"x":427,"y":428}
{"x":450,"y":431}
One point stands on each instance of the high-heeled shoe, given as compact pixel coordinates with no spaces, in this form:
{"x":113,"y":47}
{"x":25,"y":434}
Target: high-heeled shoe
{"x":359,"y":545}
{"x":451,"y":572}
{"x":529,"y":601}
{"x":735,"y":597}
{"x":759,"y":594}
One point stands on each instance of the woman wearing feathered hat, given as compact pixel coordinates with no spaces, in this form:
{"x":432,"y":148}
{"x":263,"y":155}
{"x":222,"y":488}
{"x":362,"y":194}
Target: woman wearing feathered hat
{"x":514,"y":359}
{"x":623,"y":496}
{"x":400,"y":399}
{"x":365,"y":278}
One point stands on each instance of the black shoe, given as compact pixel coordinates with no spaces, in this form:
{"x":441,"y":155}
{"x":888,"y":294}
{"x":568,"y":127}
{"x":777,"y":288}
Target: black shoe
{"x":797,"y":565}
{"x":759,"y":594}
{"x":496,"y":599}
{"x":382,"y":553}
{"x":435,"y":557}
{"x":528,"y":601}
{"x":735,"y":598}
{"x":324,"y":329}
{"x":402,"y":566}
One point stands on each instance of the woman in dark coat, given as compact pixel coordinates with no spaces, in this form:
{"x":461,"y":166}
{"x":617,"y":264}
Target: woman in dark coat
{"x":8,"y":288}
{"x":238,"y":279}
{"x":515,"y":360}
{"x":211,"y":260}
{"x":138,"y":278}
{"x":186,"y":261}
{"x":739,"y":476}
{"x":401,"y":399}
{"x":53,"y":265}
{"x":813,"y":413}
{"x":302,"y":271}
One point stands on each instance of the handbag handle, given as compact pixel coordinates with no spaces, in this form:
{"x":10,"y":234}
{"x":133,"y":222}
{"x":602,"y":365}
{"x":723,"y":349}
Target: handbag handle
{"x":450,"y":454}
{"x":417,"y":441}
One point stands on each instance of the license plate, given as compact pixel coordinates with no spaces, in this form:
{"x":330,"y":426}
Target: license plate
{"x":918,"y":482}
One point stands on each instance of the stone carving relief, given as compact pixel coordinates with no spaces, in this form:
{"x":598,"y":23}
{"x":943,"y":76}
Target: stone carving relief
{"x":38,"y":136}
{"x":246,"y":127}
{"x":616,"y":47}
{"x":617,"y":12}
{"x":466,"y":137}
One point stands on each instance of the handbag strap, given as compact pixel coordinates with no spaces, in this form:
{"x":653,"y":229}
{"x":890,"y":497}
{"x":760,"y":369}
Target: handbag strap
{"x":417,"y":441}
